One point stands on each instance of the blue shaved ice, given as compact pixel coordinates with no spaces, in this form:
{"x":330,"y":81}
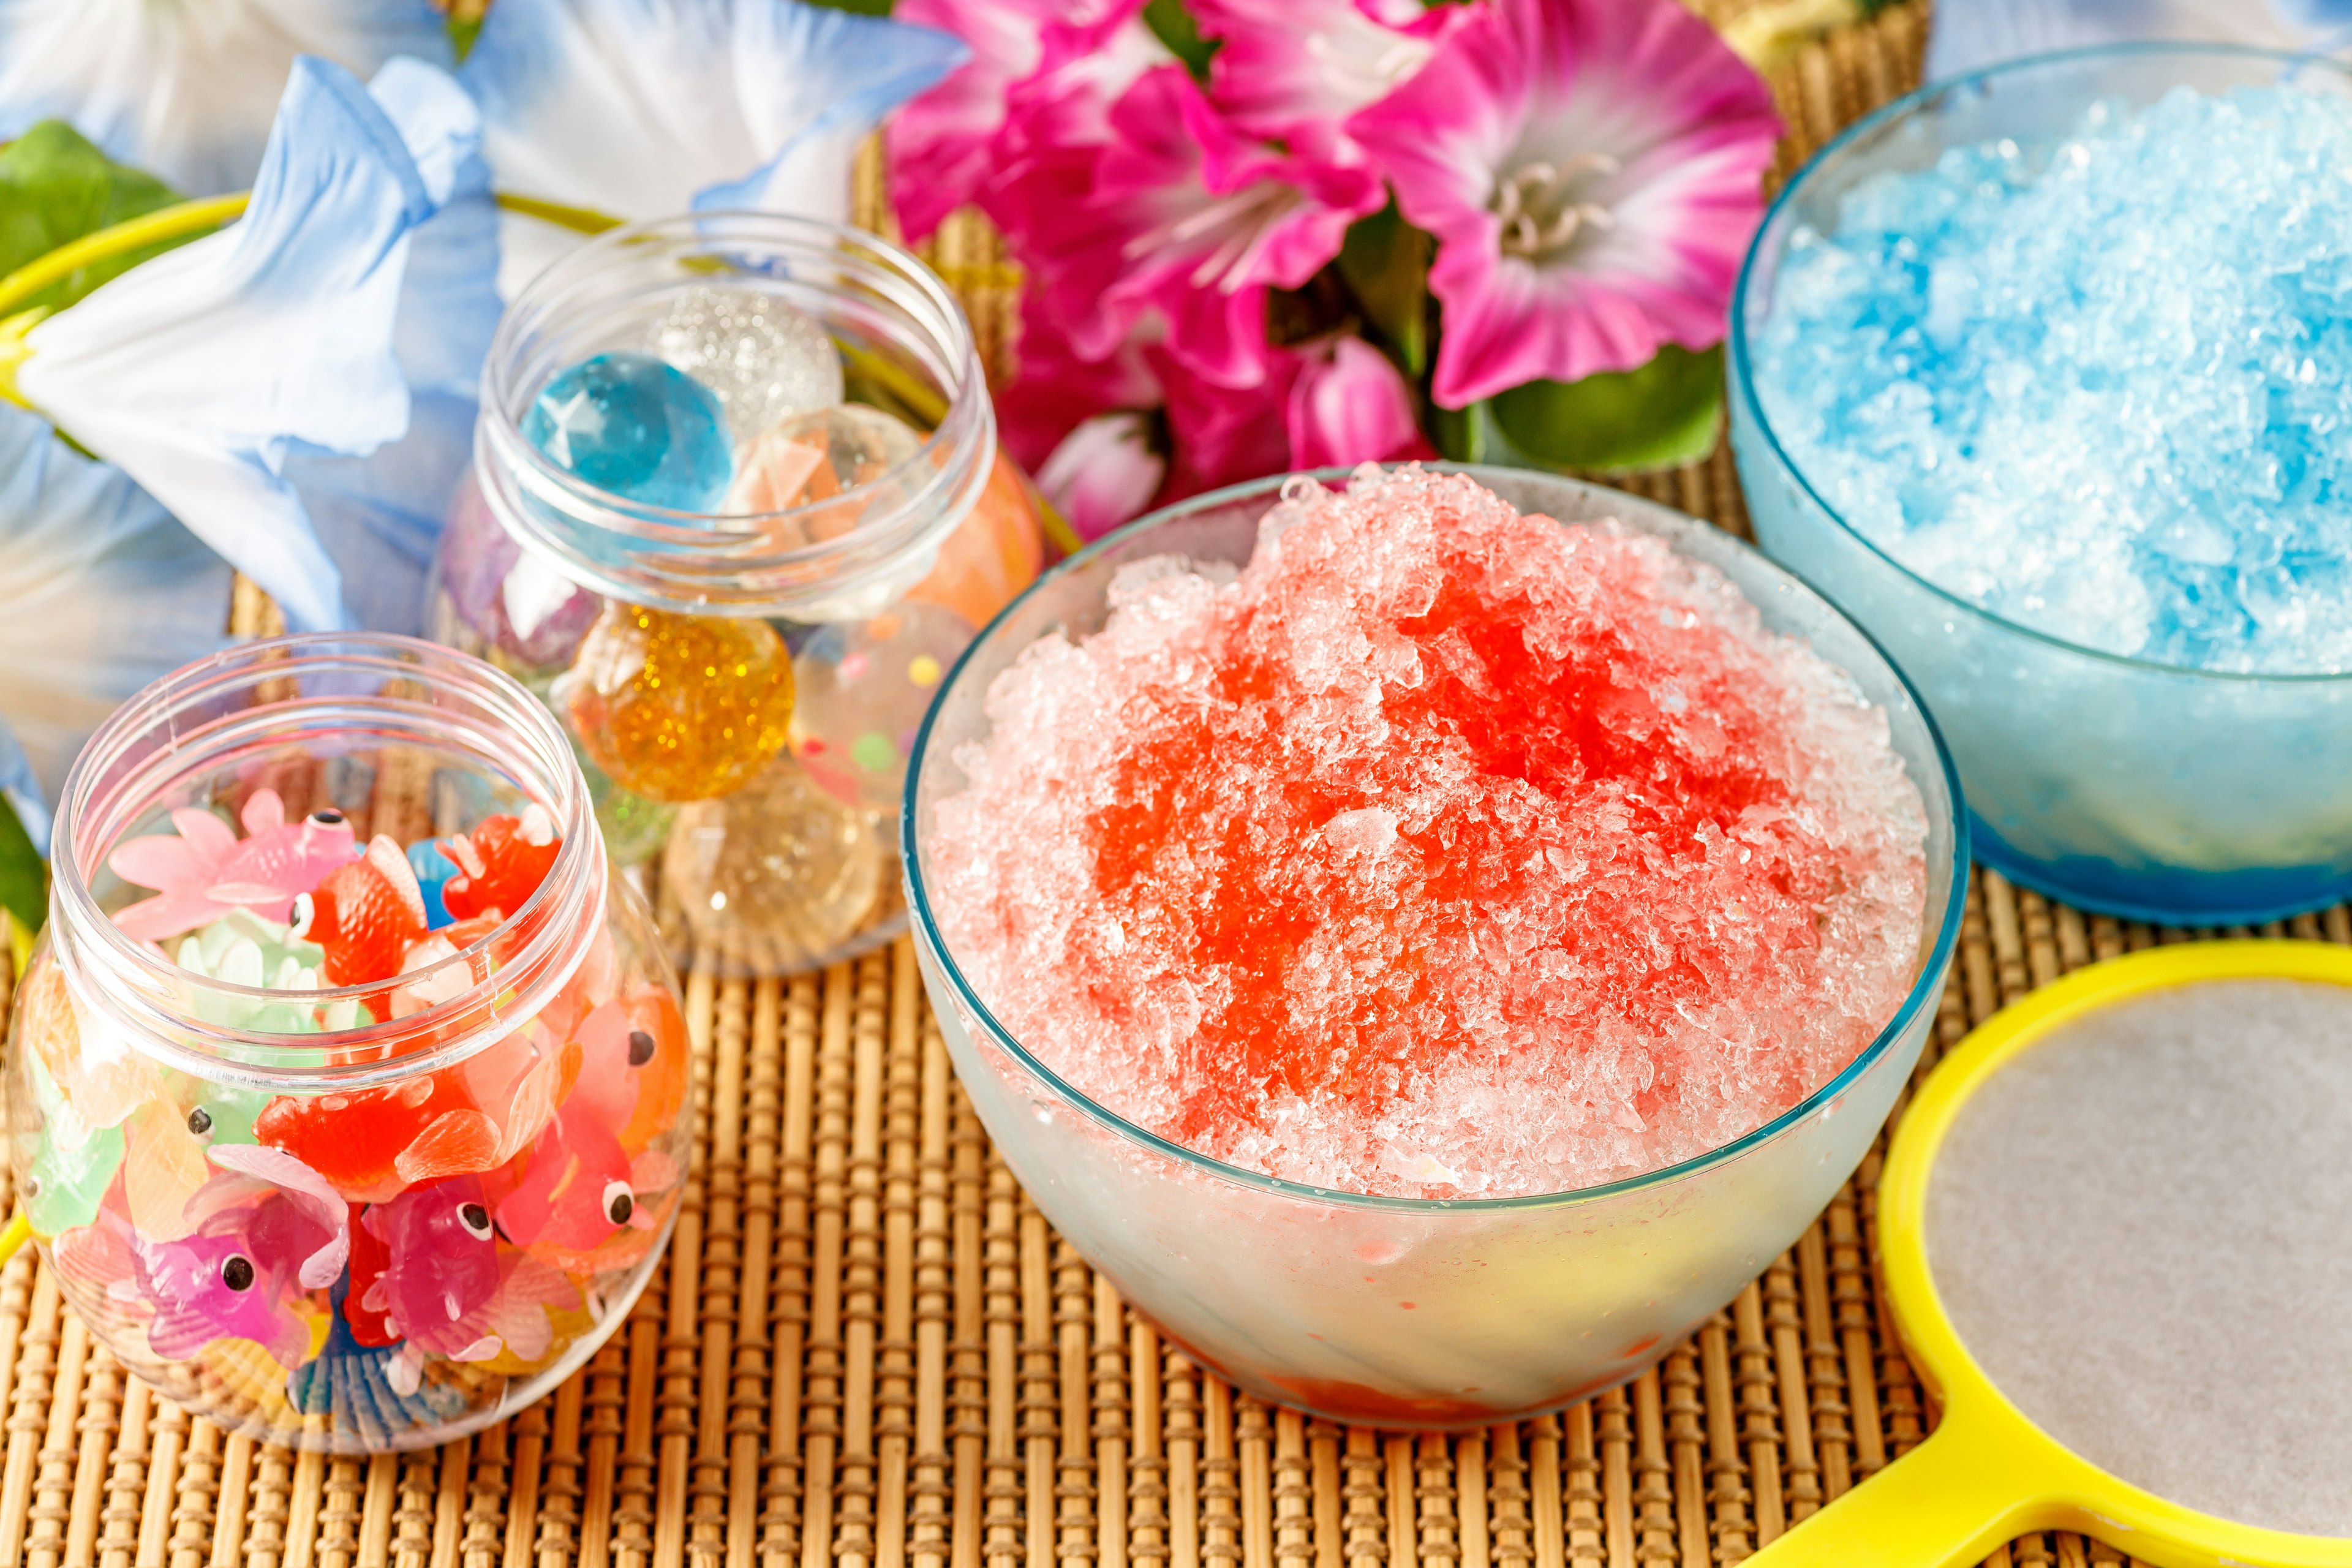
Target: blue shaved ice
{"x":2099,"y":386}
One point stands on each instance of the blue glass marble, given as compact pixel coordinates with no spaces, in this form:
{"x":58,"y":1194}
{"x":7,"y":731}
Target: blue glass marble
{"x":433,"y":867}
{"x":644,"y":430}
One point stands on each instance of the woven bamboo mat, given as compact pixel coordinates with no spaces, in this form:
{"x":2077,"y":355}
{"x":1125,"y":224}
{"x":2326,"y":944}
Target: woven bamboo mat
{"x":868,"y":1349}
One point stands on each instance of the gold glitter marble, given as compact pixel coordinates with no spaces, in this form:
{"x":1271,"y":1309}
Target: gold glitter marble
{"x":679,"y":708}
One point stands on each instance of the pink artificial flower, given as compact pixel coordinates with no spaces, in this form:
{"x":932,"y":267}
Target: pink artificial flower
{"x":1285,"y":64}
{"x":1104,"y":474}
{"x":1043,"y":167}
{"x":1350,"y":406}
{"x":1085,"y":65}
{"x":1192,"y":221}
{"x":942,"y":145}
{"x":1337,"y":402}
{"x":1219,"y":435}
{"x":1053,"y":391}
{"x":1045,"y":164}
{"x":1591,"y":170}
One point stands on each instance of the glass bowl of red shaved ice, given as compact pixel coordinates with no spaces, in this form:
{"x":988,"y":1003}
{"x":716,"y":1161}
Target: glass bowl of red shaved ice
{"x":1430,"y":936}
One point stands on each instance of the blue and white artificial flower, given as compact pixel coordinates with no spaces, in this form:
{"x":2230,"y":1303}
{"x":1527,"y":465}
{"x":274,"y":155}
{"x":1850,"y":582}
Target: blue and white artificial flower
{"x":104,"y":592}
{"x":380,"y":515}
{"x":22,"y":791}
{"x":186,"y":89}
{"x":233,"y":375}
{"x":642,"y":109}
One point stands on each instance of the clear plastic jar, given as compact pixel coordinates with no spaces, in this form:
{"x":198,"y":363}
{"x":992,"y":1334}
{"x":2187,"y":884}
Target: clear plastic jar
{"x":769,"y":794}
{"x":351,"y":1218}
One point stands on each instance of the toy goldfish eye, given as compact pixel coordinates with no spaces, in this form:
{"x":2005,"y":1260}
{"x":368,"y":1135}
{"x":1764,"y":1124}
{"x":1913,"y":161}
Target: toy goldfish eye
{"x":200,"y":1122}
{"x":329,"y":817}
{"x":236,"y":1272}
{"x":641,"y":1047}
{"x":33,"y":1186}
{"x":619,"y":1201}
{"x":305,"y":911}
{"x":476,"y":1219}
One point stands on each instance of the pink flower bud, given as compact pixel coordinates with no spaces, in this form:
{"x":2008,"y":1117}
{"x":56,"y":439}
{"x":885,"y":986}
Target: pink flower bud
{"x":1103,"y":473}
{"x":1352,"y":407}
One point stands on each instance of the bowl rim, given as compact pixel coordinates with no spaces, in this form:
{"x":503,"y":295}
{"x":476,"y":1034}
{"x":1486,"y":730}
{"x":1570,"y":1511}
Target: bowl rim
{"x":1927,"y":985}
{"x":1743,"y":369}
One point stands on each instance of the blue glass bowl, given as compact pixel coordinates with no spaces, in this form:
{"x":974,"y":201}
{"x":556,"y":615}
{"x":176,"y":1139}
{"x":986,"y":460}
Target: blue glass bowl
{"x":2150,"y":791}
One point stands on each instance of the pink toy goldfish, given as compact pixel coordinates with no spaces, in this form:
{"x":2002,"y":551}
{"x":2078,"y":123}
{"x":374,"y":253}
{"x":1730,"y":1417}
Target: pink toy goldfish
{"x":262,"y":1243}
{"x":441,"y":1272}
{"x":205,"y":870}
{"x":222,"y":1283}
{"x":575,"y":1191}
{"x":444,"y":1288}
{"x":613,"y":1051}
{"x":516,"y":1316}
{"x":633,"y":1065}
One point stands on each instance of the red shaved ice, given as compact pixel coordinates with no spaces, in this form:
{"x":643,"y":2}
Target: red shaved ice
{"x":1443,"y":852}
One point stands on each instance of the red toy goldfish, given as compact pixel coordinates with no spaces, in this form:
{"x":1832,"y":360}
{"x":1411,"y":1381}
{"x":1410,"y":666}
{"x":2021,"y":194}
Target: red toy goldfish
{"x":500,"y":863}
{"x":366,"y":915}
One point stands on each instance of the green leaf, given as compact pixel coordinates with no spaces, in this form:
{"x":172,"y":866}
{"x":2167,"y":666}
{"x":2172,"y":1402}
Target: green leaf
{"x":1459,"y":434}
{"x":1385,"y":261}
{"x":56,"y":187}
{"x":23,"y":880}
{"x":1656,"y":416}
{"x":1174,"y":25}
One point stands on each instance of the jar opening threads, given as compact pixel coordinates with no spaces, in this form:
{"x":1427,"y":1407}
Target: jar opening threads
{"x":835,"y":558}
{"x":238,"y":709}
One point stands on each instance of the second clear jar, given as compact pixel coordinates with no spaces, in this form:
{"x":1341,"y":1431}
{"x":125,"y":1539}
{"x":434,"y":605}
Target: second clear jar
{"x":737,"y":507}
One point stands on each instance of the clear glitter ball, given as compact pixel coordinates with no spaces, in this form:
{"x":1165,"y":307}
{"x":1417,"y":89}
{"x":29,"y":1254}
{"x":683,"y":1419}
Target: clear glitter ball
{"x":861,"y":691}
{"x":764,"y":359}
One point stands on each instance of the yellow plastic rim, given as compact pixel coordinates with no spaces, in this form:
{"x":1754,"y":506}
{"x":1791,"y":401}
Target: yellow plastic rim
{"x":1988,"y":1474}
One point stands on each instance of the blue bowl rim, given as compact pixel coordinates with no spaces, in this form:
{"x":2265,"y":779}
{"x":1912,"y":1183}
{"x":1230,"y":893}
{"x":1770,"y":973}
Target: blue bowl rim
{"x":1743,"y":379}
{"x":1927,"y":986}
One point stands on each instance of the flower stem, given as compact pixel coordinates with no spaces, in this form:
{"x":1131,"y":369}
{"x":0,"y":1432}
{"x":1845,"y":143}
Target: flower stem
{"x":185,"y":218}
{"x":579,"y":220}
{"x":175,"y":222}
{"x":13,"y":352}
{"x":13,"y":1239}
